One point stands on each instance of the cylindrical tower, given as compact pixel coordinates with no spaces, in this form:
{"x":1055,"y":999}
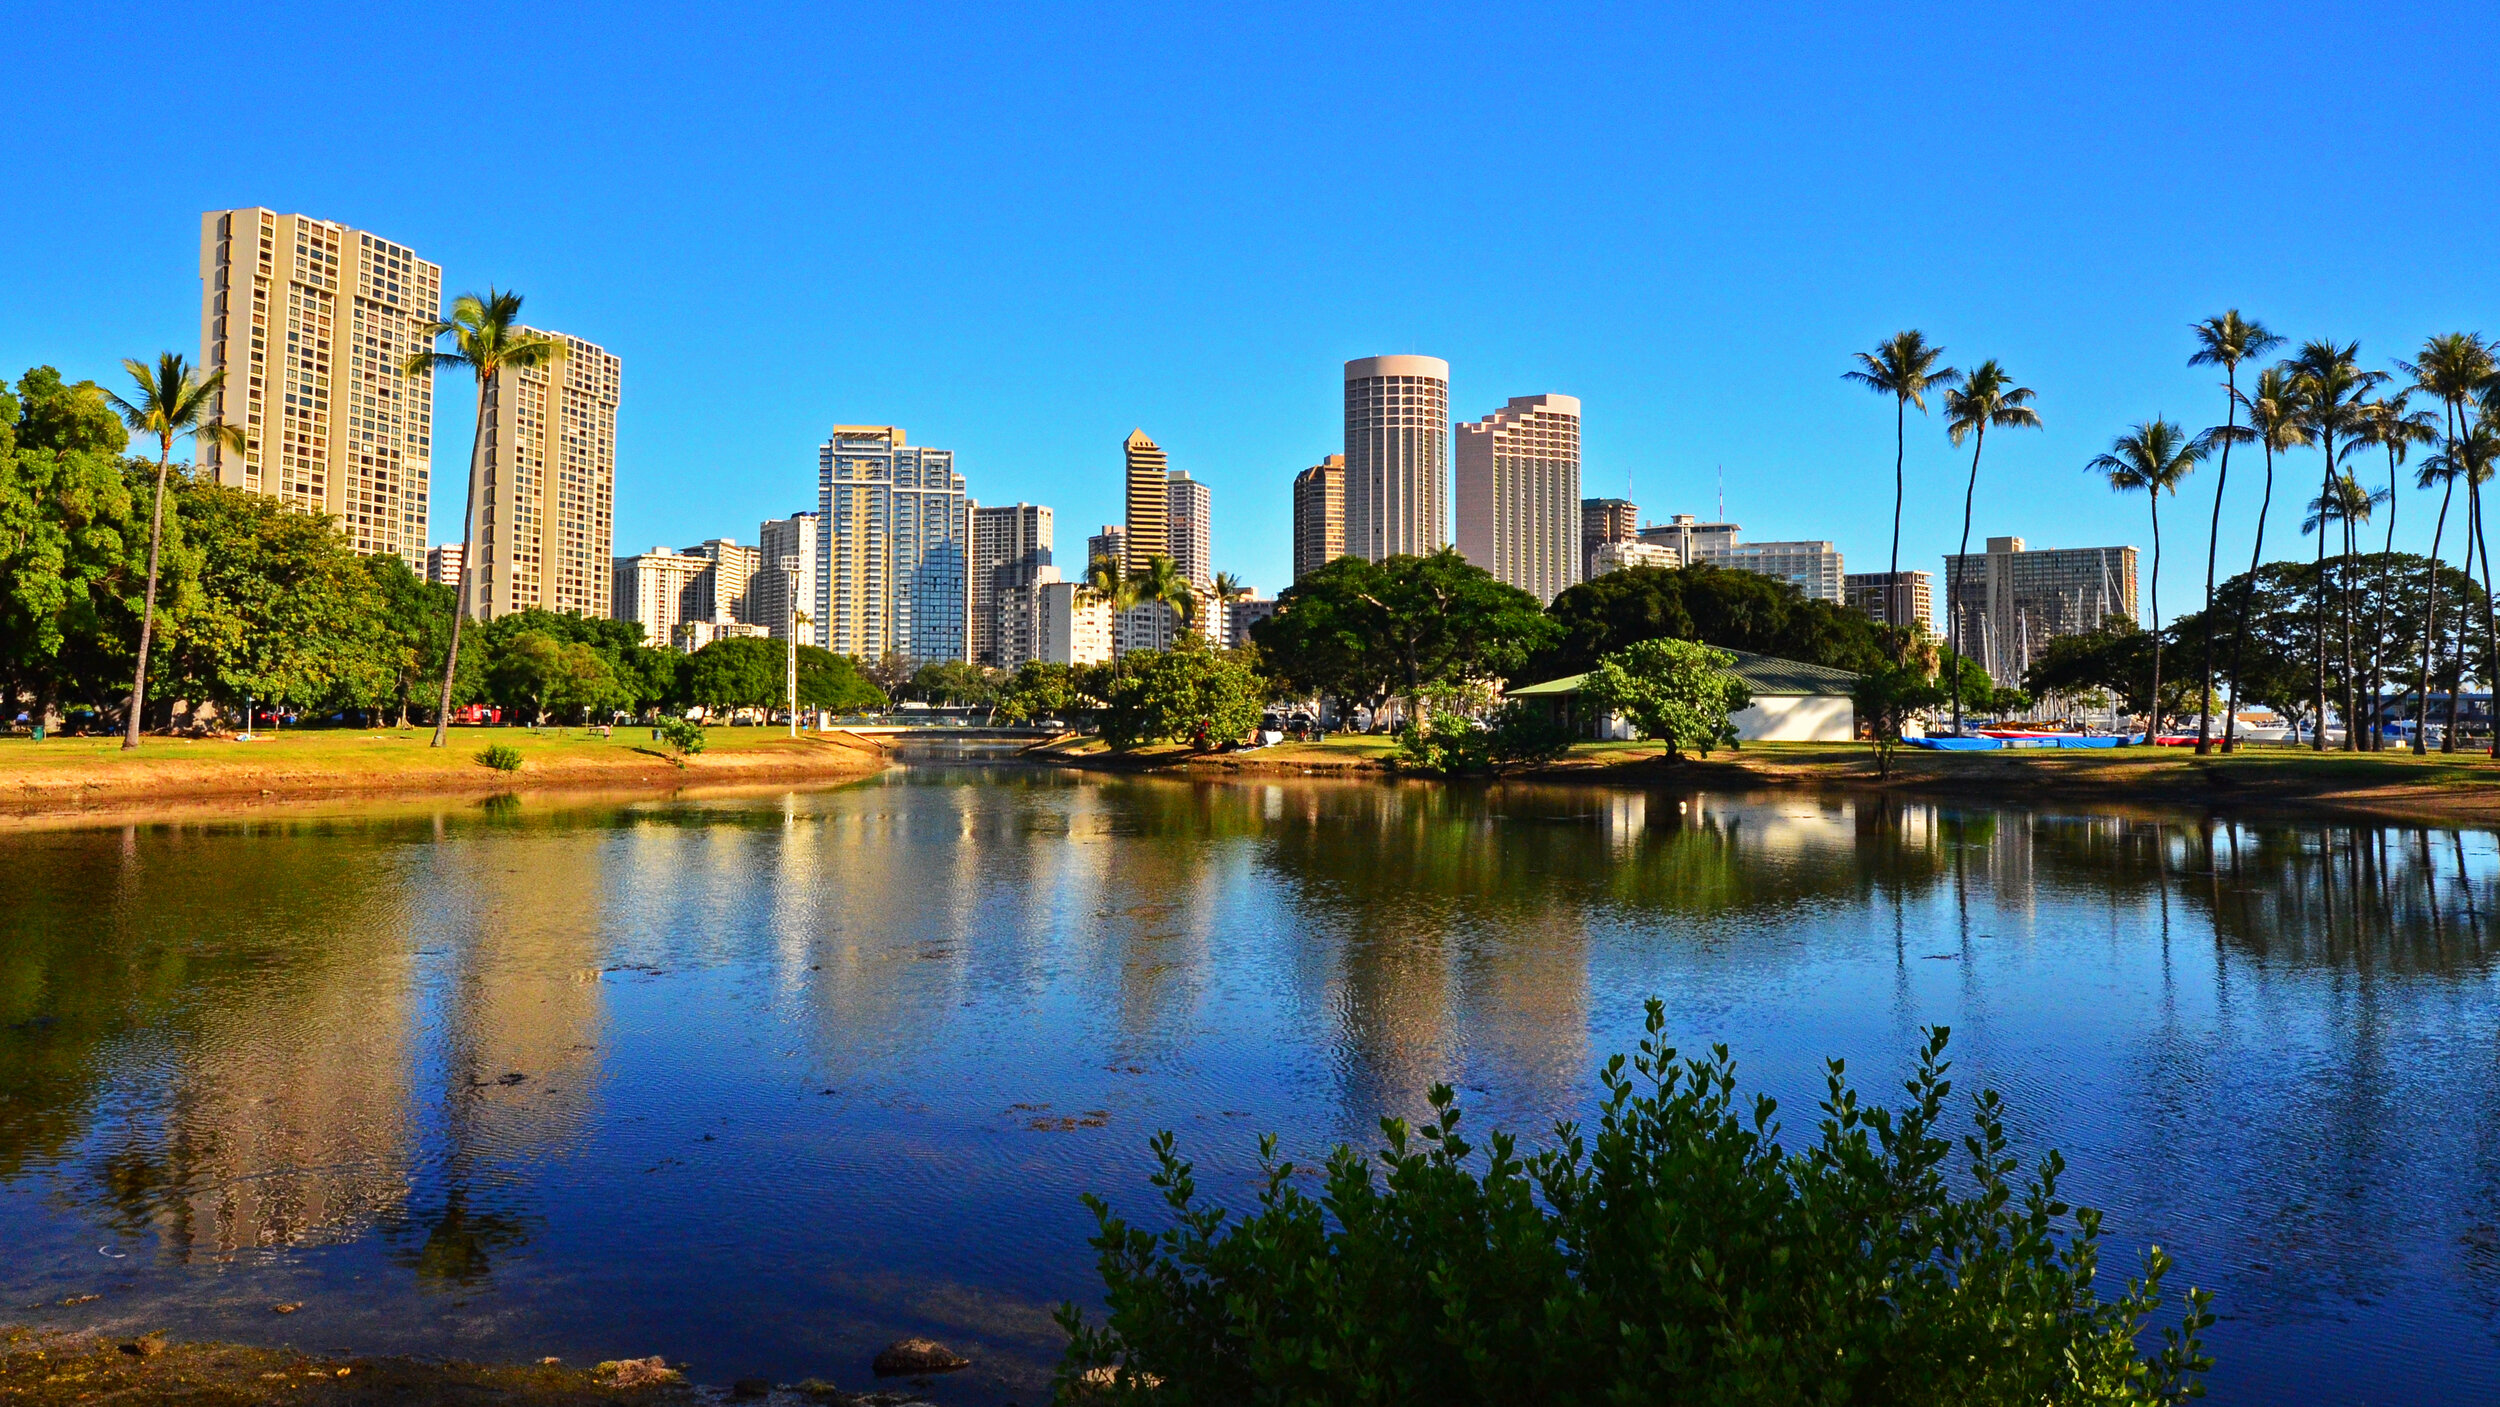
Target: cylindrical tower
{"x":1397,"y":438}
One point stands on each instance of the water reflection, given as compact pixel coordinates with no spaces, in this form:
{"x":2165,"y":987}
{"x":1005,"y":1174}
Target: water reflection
{"x":884,"y":1034}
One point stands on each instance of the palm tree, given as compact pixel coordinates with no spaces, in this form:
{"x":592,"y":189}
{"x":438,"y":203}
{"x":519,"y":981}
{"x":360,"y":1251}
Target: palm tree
{"x":2224,"y":340}
{"x":2455,"y":367}
{"x":1162,"y":581}
{"x":2443,"y":470}
{"x":1227,"y":589}
{"x":1902,"y":366}
{"x":2395,"y":429}
{"x":487,"y":338}
{"x":2152,"y":457}
{"x":1987,"y":396}
{"x":2274,"y":422}
{"x":2330,"y":387}
{"x":2345,"y":506}
{"x":171,"y":401}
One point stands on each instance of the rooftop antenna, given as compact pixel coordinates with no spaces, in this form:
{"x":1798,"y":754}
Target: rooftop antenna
{"x":1722,"y":493}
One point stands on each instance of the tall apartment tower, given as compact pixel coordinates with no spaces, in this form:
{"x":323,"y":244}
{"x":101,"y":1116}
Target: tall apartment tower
{"x":1189,"y":528}
{"x":442,"y":564}
{"x":1149,"y":500}
{"x":545,"y":489}
{"x":721,"y":594}
{"x":1518,"y":491}
{"x":1011,"y":545}
{"x":1318,"y":516}
{"x":310,"y":321}
{"x":1111,"y":542}
{"x":897,"y":528}
{"x":1879,"y":594}
{"x":654,"y":590}
{"x":785,"y":576}
{"x":1605,"y":520}
{"x":1397,"y":435}
{"x":2014,"y":600}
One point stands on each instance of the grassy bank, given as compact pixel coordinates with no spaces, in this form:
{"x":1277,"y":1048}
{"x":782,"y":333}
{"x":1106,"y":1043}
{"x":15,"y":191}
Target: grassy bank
{"x":94,"y":773}
{"x":58,"y":1370}
{"x":2464,"y":787}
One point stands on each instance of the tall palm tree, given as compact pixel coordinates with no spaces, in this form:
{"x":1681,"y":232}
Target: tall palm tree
{"x":1902,"y":366}
{"x":1161,"y":581}
{"x":2345,"y":507}
{"x":2455,"y":367}
{"x":170,"y":401}
{"x":1227,"y":589}
{"x":1987,"y":396}
{"x":2224,"y":340}
{"x":2273,"y":421}
{"x":2331,"y":387}
{"x":2152,"y":458}
{"x":2396,"y":429}
{"x":487,"y":338}
{"x":2442,"y":469}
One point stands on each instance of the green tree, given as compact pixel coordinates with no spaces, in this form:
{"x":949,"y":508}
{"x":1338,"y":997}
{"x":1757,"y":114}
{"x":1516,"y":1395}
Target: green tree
{"x":2454,"y":367}
{"x":2152,"y":458}
{"x":835,"y":683}
{"x":2329,"y":386}
{"x":1734,"y":610}
{"x":1162,"y":582}
{"x":953,"y":684}
{"x":282,"y":609}
{"x":1676,"y":1252}
{"x":171,"y":403}
{"x":1886,"y":699}
{"x":1672,"y":691}
{"x":2224,"y":340}
{"x":2273,"y":408}
{"x":727,"y":675}
{"x":488,"y":339}
{"x":552,"y":675}
{"x":1188,"y":694}
{"x":68,"y":538}
{"x":1040,"y":689}
{"x":1987,"y":396}
{"x":1369,"y":631}
{"x":1902,"y":366}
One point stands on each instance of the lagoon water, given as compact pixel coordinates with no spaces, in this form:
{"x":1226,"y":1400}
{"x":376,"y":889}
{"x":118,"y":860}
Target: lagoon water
{"x":761,"y":1083}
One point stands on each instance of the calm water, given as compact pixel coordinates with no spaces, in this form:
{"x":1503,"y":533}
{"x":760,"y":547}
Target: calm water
{"x":763,"y":1083}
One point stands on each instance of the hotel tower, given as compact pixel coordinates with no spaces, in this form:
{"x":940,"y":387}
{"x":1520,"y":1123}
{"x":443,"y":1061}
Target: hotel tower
{"x":310,"y":321}
{"x":1519,"y":494}
{"x":1397,"y":435}
{"x":545,"y":489}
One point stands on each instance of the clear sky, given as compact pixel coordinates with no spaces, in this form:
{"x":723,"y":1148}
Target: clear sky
{"x":1019,"y":232}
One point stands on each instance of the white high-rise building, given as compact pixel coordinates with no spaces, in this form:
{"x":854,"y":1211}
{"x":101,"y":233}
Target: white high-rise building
{"x":311,"y":320}
{"x":786,"y":552}
{"x":1519,"y":514}
{"x":1189,"y":528}
{"x":1076,"y":625}
{"x":442,"y":564}
{"x":655,"y":590}
{"x":1397,"y":435}
{"x":721,"y":593}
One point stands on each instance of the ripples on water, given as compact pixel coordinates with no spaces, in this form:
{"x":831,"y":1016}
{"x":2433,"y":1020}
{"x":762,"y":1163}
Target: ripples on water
{"x":762,"y":1083}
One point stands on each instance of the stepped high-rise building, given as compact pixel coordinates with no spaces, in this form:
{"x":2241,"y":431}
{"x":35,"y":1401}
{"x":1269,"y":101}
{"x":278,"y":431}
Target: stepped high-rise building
{"x":442,"y":564}
{"x":544,"y":521}
{"x":1397,"y":435}
{"x":1318,"y":516}
{"x":1518,"y":492}
{"x":1149,"y":500}
{"x":721,"y":593}
{"x":310,"y":321}
{"x":785,"y":577}
{"x":1011,"y":547}
{"x":897,"y":528}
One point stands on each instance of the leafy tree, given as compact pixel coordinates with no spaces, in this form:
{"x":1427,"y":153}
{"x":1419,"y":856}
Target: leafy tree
{"x":1040,"y":689}
{"x":1902,"y":366}
{"x":2119,"y":657}
{"x":1733,"y":610}
{"x":67,"y":538}
{"x":952,"y":683}
{"x":171,"y":402}
{"x":2225,"y":340}
{"x":1672,"y":691}
{"x":488,"y":339}
{"x":2152,"y":458}
{"x":1452,"y":743}
{"x":1369,"y":631}
{"x":1886,"y":699}
{"x":891,"y":672}
{"x":738,"y":673}
{"x":1676,"y":1253}
{"x":2454,"y":367}
{"x":1188,"y":694}
{"x":835,"y":683}
{"x":281,"y":609}
{"x":1985,"y":397}
{"x":2396,"y":431}
{"x":551,"y":674}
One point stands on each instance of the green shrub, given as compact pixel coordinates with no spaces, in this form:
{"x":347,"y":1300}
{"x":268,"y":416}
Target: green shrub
{"x":503,"y":757}
{"x":1452,"y":743}
{"x":1677,"y":1255}
{"x":682,"y":734}
{"x":1672,"y":691}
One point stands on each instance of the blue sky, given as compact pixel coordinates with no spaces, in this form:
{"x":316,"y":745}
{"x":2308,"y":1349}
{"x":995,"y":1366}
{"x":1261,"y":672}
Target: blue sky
{"x":1020,"y":231}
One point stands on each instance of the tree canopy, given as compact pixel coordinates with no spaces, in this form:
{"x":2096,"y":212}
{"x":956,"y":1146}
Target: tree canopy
{"x":1733,"y":610}
{"x":1368,"y":631}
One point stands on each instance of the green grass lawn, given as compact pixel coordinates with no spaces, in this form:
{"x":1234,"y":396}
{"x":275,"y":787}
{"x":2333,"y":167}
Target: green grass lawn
{"x":348,"y":752}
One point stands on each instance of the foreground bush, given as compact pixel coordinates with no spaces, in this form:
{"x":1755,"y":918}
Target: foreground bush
{"x":1452,"y":744}
{"x":1678,"y":1256}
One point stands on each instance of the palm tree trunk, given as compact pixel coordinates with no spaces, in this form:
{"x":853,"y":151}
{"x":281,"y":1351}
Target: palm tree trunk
{"x":2213,"y":544}
{"x":2239,"y":636}
{"x":2491,"y":623}
{"x":2430,"y":629}
{"x":460,"y":600}
{"x":2326,"y":489}
{"x":1900,"y":447}
{"x":2378,"y":625}
{"x":147,"y":618}
{"x":2456,"y":685}
{"x":2343,"y":594}
{"x":1953,"y":621}
{"x":2152,"y":729}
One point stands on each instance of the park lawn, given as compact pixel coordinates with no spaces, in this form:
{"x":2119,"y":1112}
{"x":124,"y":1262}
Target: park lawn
{"x":384,"y":759}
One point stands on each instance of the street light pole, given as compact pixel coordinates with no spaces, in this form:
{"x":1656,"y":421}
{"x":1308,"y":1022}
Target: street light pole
{"x":791,"y":570}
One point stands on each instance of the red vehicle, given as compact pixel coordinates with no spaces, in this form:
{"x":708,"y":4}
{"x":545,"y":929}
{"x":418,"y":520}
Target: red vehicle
{"x":472,"y":714}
